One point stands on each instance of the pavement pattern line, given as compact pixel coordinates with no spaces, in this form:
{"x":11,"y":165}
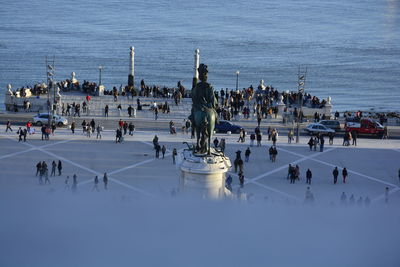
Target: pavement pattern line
{"x":348,"y":170}
{"x":267,"y":187}
{"x":304,"y":158}
{"x":392,"y":191}
{"x":87,"y":169}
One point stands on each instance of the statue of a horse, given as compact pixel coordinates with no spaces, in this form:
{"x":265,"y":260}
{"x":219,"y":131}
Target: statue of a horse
{"x":203,"y":124}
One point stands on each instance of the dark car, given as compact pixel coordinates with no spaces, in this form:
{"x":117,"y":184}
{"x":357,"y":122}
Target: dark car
{"x":333,"y":124}
{"x":226,"y":126}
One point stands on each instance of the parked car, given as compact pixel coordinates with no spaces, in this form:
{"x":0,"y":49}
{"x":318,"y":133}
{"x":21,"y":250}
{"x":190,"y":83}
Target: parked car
{"x":43,"y":118}
{"x":365,"y":126}
{"x":225,"y":126}
{"x":315,"y":128}
{"x":333,"y":124}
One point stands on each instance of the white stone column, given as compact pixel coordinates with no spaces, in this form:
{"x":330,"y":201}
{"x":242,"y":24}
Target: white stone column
{"x":195,"y":68}
{"x":131,"y":76}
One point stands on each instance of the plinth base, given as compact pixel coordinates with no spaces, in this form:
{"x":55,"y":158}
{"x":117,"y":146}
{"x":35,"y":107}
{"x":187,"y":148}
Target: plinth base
{"x":204,"y":175}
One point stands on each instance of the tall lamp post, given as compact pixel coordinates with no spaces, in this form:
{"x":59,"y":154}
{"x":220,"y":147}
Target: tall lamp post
{"x":287,"y":106}
{"x":237,"y":80}
{"x":301,"y":80}
{"x":100,"y":70}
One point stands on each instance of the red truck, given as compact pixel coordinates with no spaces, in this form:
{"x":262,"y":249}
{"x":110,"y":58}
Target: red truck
{"x":364,"y":126}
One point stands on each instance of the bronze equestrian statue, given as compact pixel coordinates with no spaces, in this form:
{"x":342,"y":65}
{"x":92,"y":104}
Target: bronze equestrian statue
{"x":203,"y":115}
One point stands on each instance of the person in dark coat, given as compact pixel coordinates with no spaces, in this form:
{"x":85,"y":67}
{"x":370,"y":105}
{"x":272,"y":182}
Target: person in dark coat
{"x":344,"y":174}
{"x":247,"y":154}
{"x":38,"y":168}
{"x":321,"y":144}
{"x":311,"y":143}
{"x":335,"y":175}
{"x":158,"y":148}
{"x":174,"y":154}
{"x":354,"y":135}
{"x":105,"y":180}
{"x":163,"y":150}
{"x":308,"y":176}
{"x":241,"y":179}
{"x":59,"y":167}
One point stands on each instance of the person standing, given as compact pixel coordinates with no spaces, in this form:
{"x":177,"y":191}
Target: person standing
{"x":252,"y":138}
{"x":344,"y":173}
{"x":96,"y":184}
{"x":163,"y":150}
{"x":247,"y":154}
{"x":66,"y":187}
{"x":158,"y":148}
{"x":73,"y":125}
{"x":311,"y":143}
{"x":354,"y":135}
{"x":25,"y":133}
{"x":308,"y":176}
{"x":321,"y":143}
{"x":38,"y":168}
{"x":106,"y":108}
{"x":274,"y":153}
{"x":241,"y":179}
{"x":74,"y":183}
{"x":131,"y":128}
{"x":335,"y":175}
{"x":53,"y":168}
{"x":8,"y":126}
{"x":105,"y":180}
{"x":59,"y":166}
{"x":331,"y":136}
{"x":259,"y":138}
{"x":98,"y":130}
{"x":174,"y":154}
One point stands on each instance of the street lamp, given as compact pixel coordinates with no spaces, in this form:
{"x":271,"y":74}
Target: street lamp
{"x":237,"y":80}
{"x":100,"y":69}
{"x":287,"y":106}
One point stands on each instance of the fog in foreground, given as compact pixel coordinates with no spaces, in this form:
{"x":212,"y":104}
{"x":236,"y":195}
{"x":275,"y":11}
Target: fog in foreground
{"x":108,"y":230}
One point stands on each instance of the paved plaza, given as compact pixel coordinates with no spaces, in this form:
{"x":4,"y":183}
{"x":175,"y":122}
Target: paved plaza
{"x":134,"y":171}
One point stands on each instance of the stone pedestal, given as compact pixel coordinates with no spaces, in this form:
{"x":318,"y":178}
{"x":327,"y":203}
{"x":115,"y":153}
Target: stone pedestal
{"x":202,"y":175}
{"x":281,"y":108}
{"x":100,"y":90}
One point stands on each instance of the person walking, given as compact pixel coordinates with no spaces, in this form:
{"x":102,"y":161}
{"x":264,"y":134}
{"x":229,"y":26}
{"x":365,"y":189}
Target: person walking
{"x":131,"y":128}
{"x":163,"y":150}
{"x":96,"y":184}
{"x":308,"y":176}
{"x":98,"y":131}
{"x":344,"y":174}
{"x":38,"y":168}
{"x":228,"y":183}
{"x":247,"y":154}
{"x":8,"y":126}
{"x":274,"y":136}
{"x":20,"y":134}
{"x":274,"y":153}
{"x":105,"y":181}
{"x":270,"y":152}
{"x":290,"y":136}
{"x":53,"y":168}
{"x":174,"y":154}
{"x":335,"y":175}
{"x":59,"y":167}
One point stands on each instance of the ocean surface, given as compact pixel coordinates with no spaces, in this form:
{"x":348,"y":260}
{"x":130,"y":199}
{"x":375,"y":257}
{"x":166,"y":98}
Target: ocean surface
{"x":351,"y":48}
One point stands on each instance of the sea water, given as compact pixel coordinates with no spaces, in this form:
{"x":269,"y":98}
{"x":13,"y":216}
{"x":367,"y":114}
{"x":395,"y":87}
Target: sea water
{"x":351,"y":48}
